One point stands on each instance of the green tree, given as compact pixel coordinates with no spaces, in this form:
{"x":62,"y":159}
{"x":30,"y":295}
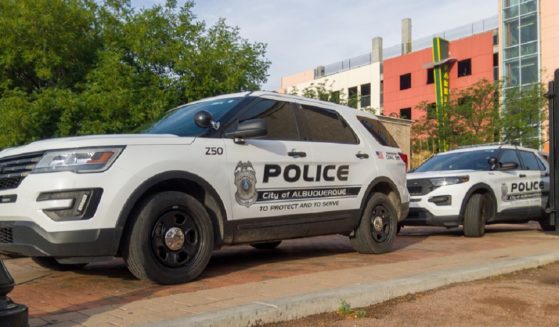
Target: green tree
{"x":476,"y":115}
{"x":73,"y":67}
{"x":321,"y":91}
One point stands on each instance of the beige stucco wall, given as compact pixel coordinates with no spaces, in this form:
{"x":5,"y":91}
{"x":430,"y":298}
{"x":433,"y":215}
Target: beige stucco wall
{"x":287,"y":82}
{"x":343,"y":80}
{"x":549,"y":33}
{"x":400,"y":130}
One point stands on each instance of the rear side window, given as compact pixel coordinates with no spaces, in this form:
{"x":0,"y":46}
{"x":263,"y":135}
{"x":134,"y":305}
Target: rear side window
{"x":279,"y":116}
{"x":323,"y":125}
{"x":529,"y":160}
{"x":508,"y":155}
{"x":379,"y":132}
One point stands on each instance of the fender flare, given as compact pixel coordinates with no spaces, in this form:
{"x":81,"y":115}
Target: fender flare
{"x":141,"y":190}
{"x":472,"y":190}
{"x":370,"y":188}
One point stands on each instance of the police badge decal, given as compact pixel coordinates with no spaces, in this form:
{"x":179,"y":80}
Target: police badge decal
{"x":245,"y":180}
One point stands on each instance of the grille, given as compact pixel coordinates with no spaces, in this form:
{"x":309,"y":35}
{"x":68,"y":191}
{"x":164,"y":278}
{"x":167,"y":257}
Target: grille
{"x":6,"y":235}
{"x":419,"y":186}
{"x":14,"y":169}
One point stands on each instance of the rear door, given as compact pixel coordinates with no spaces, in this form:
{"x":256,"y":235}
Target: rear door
{"x":536,"y":181}
{"x":342,"y":160}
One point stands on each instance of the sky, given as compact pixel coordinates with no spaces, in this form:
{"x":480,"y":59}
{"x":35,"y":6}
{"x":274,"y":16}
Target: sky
{"x":304,"y":34}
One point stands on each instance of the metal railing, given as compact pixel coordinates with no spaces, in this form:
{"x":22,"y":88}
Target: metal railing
{"x":481,"y":26}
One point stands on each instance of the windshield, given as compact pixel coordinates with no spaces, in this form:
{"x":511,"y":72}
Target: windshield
{"x":181,"y":120}
{"x":467,"y":160}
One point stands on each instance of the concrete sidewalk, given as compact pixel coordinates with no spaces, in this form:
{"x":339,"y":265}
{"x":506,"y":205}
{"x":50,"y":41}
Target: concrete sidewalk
{"x":428,"y":260}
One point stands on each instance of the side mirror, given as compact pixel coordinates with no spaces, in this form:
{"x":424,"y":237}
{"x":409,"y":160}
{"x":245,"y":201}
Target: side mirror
{"x":249,"y":129}
{"x":204,"y":119}
{"x":493,"y":162}
{"x":509,"y":166}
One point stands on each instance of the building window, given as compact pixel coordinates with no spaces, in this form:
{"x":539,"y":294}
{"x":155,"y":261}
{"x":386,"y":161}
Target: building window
{"x":352,"y":97}
{"x":430,"y":75}
{"x":382,"y":93}
{"x":335,"y":97}
{"x":365,"y":95}
{"x":405,"y":113}
{"x":405,"y":81}
{"x":465,"y":68}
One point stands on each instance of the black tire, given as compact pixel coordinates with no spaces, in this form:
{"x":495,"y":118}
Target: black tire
{"x":545,"y":224}
{"x":479,"y":209}
{"x":400,"y":226}
{"x":266,"y":245}
{"x":52,"y":264}
{"x":171,"y":240}
{"x":377,"y":230}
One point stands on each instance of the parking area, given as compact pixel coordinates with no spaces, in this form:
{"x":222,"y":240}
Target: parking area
{"x":328,"y":261}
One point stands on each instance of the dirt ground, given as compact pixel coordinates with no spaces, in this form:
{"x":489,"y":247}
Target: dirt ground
{"x":525,"y":298}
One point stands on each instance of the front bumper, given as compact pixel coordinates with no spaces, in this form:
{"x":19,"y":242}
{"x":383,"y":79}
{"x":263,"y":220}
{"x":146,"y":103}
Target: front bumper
{"x":423,"y":217}
{"x":28,"y":239}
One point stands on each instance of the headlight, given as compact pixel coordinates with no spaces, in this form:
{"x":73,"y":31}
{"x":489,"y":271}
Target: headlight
{"x":84,"y":160}
{"x":444,"y":181}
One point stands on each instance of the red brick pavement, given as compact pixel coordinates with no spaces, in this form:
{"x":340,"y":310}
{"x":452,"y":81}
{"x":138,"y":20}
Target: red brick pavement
{"x":110,"y":283}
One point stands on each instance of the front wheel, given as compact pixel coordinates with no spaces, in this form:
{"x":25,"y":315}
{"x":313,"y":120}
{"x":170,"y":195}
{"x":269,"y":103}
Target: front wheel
{"x":377,"y":230}
{"x":171,"y":240}
{"x":479,"y":209}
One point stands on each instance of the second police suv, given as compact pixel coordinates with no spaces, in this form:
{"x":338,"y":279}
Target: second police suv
{"x":252,"y":168}
{"x":480,"y":185}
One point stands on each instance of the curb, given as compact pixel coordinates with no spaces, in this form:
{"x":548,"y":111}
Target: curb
{"x":357,"y":295}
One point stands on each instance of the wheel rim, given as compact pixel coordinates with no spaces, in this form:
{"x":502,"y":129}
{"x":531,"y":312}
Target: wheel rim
{"x":381,"y":224}
{"x":175,"y":238}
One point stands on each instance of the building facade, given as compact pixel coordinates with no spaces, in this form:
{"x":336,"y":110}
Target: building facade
{"x":519,"y":46}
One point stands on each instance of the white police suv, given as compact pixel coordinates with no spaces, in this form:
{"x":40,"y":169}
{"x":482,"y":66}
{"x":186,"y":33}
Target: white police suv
{"x":480,"y":185}
{"x":249,"y":168}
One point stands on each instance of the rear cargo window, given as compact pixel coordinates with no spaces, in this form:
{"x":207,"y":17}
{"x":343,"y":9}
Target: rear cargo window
{"x":378,"y":131}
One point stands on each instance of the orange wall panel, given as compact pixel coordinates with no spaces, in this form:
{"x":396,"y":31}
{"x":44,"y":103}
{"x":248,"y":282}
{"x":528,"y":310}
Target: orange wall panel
{"x":479,"y":48}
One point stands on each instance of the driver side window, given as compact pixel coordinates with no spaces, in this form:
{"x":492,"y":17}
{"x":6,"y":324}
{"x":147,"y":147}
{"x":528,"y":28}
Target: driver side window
{"x":279,"y":116}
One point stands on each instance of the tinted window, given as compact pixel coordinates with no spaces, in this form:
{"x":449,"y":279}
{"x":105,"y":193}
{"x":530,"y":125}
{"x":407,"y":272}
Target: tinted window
{"x":508,"y":155}
{"x":467,"y":160}
{"x":529,"y":160}
{"x":378,"y":131}
{"x":181,"y":120}
{"x":279,"y":116}
{"x":325,"y":125}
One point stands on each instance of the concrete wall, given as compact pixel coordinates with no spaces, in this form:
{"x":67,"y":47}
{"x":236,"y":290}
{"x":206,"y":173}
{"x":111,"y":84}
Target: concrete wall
{"x":400,"y":130}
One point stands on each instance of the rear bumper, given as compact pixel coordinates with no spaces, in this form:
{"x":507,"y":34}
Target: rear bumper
{"x":423,"y":217}
{"x":28,"y":239}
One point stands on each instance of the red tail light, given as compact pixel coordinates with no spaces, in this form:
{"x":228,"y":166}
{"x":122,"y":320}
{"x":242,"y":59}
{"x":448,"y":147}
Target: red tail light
{"x":404,"y":158}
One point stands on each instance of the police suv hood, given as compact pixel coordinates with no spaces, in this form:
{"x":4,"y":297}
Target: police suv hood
{"x":96,"y":141}
{"x":441,"y":173}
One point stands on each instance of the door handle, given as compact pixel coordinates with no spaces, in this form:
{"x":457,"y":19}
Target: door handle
{"x":297,"y":154}
{"x":362,"y":155}
{"x":522,"y":175}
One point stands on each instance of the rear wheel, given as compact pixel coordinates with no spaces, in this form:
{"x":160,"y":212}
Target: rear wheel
{"x":266,"y":245}
{"x":171,"y":240}
{"x":545,"y":224}
{"x":479,"y":210}
{"x":377,"y":230}
{"x":52,"y":264}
